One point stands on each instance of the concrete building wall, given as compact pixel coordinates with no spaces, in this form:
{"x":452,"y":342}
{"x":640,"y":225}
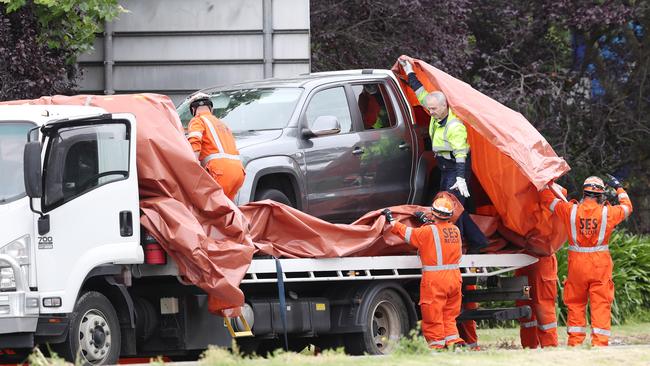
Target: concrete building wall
{"x":176,"y":47}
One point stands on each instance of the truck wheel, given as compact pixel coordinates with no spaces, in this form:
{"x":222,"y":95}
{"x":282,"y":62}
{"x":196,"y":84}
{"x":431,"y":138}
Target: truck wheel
{"x":93,"y":333}
{"x":274,"y":195}
{"x":385,"y":322}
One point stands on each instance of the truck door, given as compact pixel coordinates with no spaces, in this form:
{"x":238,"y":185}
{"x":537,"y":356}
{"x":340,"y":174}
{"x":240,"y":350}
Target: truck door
{"x":387,"y":161}
{"x":90,"y":194}
{"x":332,"y":162}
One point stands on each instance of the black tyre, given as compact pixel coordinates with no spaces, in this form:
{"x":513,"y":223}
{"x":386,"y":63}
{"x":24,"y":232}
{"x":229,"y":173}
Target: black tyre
{"x":94,"y":332}
{"x":274,"y":195}
{"x":385,"y":322}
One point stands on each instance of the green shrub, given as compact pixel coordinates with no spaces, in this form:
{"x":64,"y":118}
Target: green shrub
{"x":631,"y":256}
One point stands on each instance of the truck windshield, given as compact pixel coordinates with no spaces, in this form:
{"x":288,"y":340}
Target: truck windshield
{"x":13,"y":137}
{"x":250,"y":109}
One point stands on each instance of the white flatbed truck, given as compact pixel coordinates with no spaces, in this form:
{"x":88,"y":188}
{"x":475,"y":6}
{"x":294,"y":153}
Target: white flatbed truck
{"x":73,"y":272}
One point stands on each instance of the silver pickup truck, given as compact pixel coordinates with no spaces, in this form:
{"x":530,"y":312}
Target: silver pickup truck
{"x":335,"y":145}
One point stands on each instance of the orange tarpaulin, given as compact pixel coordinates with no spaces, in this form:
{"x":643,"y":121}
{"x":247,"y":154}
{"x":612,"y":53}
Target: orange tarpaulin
{"x":510,"y":158}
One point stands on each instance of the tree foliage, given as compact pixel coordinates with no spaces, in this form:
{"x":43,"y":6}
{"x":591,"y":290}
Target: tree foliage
{"x":372,"y":34}
{"x":577,"y":70}
{"x":41,"y":39}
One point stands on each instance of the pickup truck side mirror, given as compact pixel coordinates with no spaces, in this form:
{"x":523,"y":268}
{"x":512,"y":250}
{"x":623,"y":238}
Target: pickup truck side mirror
{"x":323,"y":126}
{"x":32,"y":170}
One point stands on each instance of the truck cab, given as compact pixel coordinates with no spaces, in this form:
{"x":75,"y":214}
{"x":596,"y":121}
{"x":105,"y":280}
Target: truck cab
{"x":75,"y":215}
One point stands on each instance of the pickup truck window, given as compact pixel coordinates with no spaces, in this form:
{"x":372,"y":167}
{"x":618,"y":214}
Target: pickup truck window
{"x":12,"y":145}
{"x":371,"y":100}
{"x":330,"y":102}
{"x":250,"y":109}
{"x":81,"y":158}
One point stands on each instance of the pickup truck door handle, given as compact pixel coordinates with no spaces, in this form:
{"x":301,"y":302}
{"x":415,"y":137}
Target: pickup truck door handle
{"x":404,"y":146}
{"x":358,"y":151}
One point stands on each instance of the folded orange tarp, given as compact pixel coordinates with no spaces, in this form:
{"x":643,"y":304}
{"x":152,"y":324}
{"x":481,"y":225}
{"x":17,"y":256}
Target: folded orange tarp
{"x":510,"y":158}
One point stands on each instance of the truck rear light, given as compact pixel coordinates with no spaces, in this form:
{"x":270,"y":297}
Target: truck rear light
{"x":154,"y":254}
{"x":52,"y":302}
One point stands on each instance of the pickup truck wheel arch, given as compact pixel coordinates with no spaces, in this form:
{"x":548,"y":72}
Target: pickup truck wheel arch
{"x":283,"y":182}
{"x":274,"y":195}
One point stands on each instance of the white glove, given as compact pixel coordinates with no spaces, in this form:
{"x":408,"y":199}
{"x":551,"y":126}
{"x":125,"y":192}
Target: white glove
{"x":461,"y":186}
{"x":408,"y":68}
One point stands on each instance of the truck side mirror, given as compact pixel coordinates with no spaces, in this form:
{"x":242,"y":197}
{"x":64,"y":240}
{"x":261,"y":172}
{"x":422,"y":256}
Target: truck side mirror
{"x":323,"y":126}
{"x":32,"y":170}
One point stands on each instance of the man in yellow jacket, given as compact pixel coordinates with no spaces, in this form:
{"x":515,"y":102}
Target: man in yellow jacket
{"x":449,"y":143}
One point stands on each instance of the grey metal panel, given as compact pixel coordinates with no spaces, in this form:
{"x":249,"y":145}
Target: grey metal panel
{"x":92,"y":78}
{"x":290,"y":14}
{"x":96,"y":54}
{"x":290,"y":69}
{"x":155,"y":45}
{"x":188,"y":47}
{"x":174,"y":77}
{"x":178,"y":98}
{"x":189,"y":15}
{"x":291,"y":46}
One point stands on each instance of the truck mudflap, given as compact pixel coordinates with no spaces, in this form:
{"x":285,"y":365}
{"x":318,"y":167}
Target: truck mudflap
{"x":18,"y":308}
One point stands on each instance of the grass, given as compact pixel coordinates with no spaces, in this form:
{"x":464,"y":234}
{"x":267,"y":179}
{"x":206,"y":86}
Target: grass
{"x":498,"y":346}
{"x":628,"y":334}
{"x":630,"y":356}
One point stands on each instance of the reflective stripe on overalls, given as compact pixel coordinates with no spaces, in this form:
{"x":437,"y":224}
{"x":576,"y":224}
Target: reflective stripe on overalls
{"x":599,"y":247}
{"x":439,"y":266}
{"x":221,"y":154}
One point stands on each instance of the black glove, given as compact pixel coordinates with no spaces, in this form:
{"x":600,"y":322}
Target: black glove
{"x":613,"y":182}
{"x":389,"y":215}
{"x":421,"y":216}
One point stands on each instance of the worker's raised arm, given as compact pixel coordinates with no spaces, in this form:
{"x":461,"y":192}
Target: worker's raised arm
{"x":622,"y":211}
{"x":410,"y":235}
{"x":554,"y":204}
{"x":413,"y":236}
{"x":414,"y":83}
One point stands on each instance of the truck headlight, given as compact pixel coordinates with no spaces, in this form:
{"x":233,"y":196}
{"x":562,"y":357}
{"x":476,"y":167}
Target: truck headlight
{"x":19,"y":250}
{"x":7,"y":279}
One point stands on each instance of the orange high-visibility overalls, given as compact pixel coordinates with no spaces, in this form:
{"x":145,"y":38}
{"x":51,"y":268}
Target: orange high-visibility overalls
{"x":218,"y":152}
{"x":440,"y":287}
{"x":467,"y":328}
{"x":589,"y":277}
{"x":541,"y":328}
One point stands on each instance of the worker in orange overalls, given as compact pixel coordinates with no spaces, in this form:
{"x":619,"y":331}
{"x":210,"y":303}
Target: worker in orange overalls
{"x":439,"y":246}
{"x":467,"y":328}
{"x":541,"y":328}
{"x":214,"y":146}
{"x":590,"y":224}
